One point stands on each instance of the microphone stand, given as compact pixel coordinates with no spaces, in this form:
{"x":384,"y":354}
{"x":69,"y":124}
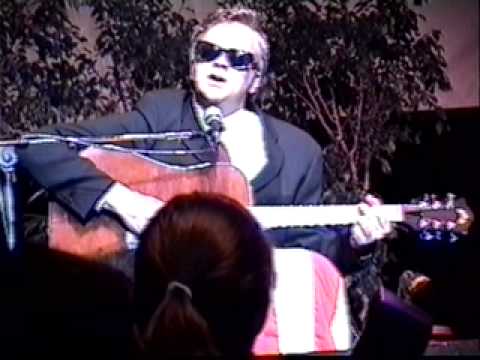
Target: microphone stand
{"x":213,"y":133}
{"x":10,"y":219}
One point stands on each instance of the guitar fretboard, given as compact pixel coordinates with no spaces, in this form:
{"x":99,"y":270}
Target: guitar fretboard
{"x":305,"y":216}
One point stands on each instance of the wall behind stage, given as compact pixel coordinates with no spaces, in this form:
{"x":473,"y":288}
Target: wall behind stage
{"x":459,"y":22}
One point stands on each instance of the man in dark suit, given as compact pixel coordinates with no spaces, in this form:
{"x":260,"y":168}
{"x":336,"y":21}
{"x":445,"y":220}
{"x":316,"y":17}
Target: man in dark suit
{"x":284,"y":165}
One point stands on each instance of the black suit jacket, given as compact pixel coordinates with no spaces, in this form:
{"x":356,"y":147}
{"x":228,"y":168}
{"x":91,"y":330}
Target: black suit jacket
{"x":292,"y":176}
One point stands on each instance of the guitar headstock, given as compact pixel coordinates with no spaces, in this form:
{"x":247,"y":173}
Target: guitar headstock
{"x":450,"y":214}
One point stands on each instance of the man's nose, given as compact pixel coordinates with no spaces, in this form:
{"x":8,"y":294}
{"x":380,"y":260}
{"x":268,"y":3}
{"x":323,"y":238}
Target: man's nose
{"x":222,"y":61}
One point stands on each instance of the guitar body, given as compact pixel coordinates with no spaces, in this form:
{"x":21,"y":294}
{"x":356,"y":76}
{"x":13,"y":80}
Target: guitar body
{"x":103,"y":236}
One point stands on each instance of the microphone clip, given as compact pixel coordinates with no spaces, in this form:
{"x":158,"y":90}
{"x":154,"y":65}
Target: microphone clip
{"x":213,"y":133}
{"x":214,"y":125}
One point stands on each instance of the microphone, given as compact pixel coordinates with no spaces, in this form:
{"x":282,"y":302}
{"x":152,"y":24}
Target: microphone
{"x":213,"y":123}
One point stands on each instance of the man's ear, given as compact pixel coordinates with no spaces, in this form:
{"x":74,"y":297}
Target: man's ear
{"x":192,"y":71}
{"x":256,"y":83}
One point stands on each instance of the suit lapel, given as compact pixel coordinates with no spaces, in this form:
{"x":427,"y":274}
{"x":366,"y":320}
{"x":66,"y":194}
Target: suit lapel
{"x":275,"y":155}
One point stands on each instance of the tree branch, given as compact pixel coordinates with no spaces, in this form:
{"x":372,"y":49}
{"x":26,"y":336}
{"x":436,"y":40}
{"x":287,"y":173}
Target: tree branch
{"x":313,"y":105}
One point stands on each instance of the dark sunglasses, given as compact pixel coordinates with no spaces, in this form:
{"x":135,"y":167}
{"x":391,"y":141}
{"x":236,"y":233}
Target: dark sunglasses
{"x":238,"y":59}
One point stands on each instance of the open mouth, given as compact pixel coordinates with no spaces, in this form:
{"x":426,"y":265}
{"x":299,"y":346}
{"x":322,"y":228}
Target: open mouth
{"x":217,"y":78}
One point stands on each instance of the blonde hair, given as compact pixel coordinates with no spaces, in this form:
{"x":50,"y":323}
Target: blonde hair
{"x":247,"y":17}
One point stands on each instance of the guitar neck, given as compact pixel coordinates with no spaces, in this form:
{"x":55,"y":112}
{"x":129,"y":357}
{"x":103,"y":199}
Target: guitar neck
{"x":321,"y":215}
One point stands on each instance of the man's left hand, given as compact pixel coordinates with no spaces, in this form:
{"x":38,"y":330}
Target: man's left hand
{"x":371,"y":226}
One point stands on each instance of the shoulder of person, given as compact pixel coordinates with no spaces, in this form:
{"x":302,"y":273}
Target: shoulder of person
{"x":162,"y":97}
{"x":163,"y":103}
{"x":289,"y":134}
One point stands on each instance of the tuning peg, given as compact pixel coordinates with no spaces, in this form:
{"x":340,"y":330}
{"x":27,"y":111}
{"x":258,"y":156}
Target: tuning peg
{"x":436,"y":224}
{"x":438,"y":235}
{"x":450,"y":225}
{"x":450,"y":203}
{"x":453,"y":237}
{"x":425,"y":235}
{"x":434,"y":202}
{"x":425,"y":202}
{"x":423,"y":223}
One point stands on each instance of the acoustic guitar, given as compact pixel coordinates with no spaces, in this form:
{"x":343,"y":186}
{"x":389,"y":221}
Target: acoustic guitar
{"x":103,"y":236}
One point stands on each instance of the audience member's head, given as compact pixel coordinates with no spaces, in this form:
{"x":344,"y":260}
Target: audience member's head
{"x":65,"y":305}
{"x":203,"y":274}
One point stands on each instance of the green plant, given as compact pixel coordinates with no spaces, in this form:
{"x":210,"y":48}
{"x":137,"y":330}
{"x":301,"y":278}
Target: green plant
{"x":46,"y":74}
{"x":353,"y":71}
{"x":147,"y":41}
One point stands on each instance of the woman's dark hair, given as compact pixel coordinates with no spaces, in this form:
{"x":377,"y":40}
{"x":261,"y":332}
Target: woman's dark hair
{"x":203,"y":274}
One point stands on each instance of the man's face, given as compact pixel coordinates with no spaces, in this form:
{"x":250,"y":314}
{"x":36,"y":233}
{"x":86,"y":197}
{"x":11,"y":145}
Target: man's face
{"x":218,"y":81}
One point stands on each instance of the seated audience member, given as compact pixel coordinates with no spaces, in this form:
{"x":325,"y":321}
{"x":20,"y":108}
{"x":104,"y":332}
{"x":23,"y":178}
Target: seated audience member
{"x":309,"y":311}
{"x":64,"y":305}
{"x":203,"y":277}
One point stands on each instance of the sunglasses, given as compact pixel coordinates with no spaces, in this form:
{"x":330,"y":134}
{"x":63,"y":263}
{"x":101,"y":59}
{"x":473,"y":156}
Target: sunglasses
{"x":238,"y":59}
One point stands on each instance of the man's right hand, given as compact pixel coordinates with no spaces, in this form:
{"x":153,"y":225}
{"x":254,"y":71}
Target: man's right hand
{"x":134,"y":209}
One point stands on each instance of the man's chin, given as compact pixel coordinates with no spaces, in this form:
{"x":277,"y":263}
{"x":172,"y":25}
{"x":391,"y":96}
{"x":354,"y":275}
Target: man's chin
{"x":211,"y":98}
